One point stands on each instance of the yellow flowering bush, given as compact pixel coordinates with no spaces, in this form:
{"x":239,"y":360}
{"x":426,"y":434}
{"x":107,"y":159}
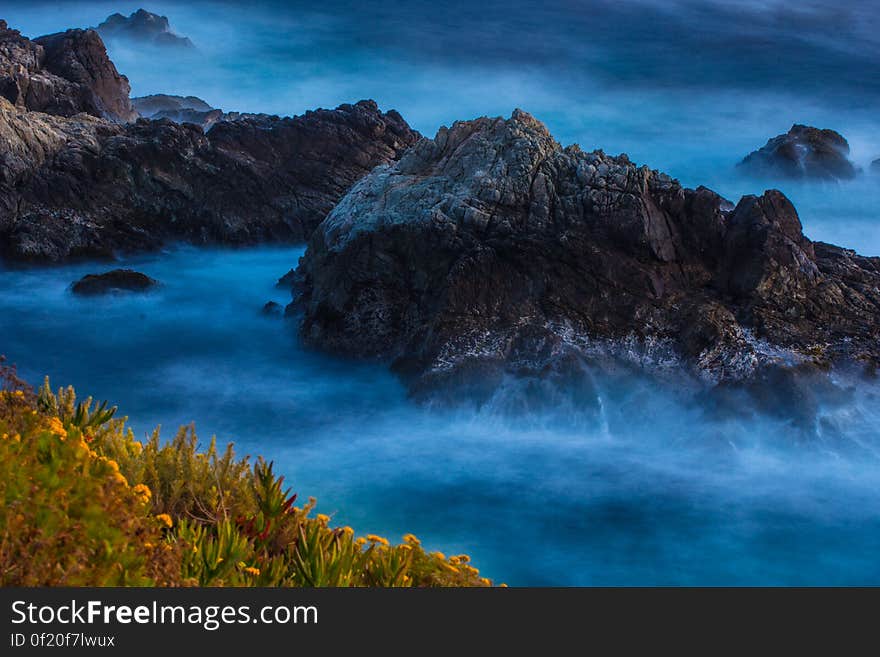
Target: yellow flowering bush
{"x":85,"y":503}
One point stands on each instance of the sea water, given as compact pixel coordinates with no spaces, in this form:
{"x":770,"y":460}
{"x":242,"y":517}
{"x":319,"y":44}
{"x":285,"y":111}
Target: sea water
{"x":638,"y":484}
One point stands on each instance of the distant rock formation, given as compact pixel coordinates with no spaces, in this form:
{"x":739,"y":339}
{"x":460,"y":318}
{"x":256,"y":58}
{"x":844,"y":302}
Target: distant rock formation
{"x":803,"y":152}
{"x":123,"y":280}
{"x":143,"y":27}
{"x":63,"y":74}
{"x":190,"y":109}
{"x":875,"y":165}
{"x":180,"y":109}
{"x":85,"y":186}
{"x":492,"y":250}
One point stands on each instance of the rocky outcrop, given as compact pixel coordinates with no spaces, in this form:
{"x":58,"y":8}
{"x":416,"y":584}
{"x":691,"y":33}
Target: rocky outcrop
{"x":803,"y":152}
{"x":62,"y":74}
{"x":190,"y":109}
{"x":875,"y":165}
{"x":142,"y":27}
{"x":117,"y":280}
{"x":180,"y":109}
{"x":84,"y":186}
{"x":80,"y":56}
{"x":492,"y":250}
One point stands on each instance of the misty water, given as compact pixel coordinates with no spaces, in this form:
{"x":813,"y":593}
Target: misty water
{"x":641,"y":482}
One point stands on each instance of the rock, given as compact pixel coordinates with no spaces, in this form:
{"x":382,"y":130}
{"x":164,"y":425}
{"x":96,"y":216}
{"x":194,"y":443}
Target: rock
{"x":64,"y":74}
{"x":190,"y":109}
{"x":273,"y":309}
{"x":180,"y":109}
{"x":875,"y":165}
{"x":126,"y":280}
{"x":155,"y":104}
{"x":492,"y":250}
{"x":83,"y":186}
{"x":803,"y":152}
{"x":287,"y":281}
{"x":142,"y":27}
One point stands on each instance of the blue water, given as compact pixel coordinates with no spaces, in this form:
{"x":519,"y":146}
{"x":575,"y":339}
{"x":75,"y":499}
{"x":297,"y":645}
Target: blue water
{"x":648,"y":489}
{"x":638,"y":484}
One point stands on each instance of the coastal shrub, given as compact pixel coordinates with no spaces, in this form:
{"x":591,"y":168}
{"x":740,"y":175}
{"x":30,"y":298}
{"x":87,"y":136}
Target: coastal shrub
{"x":85,"y":503}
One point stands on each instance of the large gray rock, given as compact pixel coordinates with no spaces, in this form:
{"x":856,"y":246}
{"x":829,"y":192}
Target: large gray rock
{"x":491,"y":250}
{"x":802,"y":152}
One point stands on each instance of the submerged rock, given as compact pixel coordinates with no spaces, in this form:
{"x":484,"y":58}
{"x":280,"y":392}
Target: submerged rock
{"x":63,"y":74}
{"x":126,"y":280}
{"x":83,"y":186}
{"x":492,"y":250}
{"x":142,"y":27}
{"x":273,"y":309}
{"x":875,"y":165}
{"x":803,"y":152}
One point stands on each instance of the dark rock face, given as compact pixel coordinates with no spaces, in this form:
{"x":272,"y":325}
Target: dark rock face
{"x":273,"y":309}
{"x":63,"y":74}
{"x":126,"y":280}
{"x":492,"y":250}
{"x":83,"y":186}
{"x":803,"y":152}
{"x":144,"y":27}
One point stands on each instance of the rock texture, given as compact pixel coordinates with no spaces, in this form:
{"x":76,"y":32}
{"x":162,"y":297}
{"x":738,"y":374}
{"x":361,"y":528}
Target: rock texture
{"x":492,"y":250}
{"x":143,"y":27}
{"x":803,"y":152}
{"x":85,"y":186}
{"x":63,"y":74}
{"x":117,"y":280}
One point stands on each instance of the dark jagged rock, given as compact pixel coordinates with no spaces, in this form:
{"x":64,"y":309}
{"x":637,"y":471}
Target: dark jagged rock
{"x":144,"y":27}
{"x":126,"y":280}
{"x":80,"y":56}
{"x":83,"y":186}
{"x":63,"y":74}
{"x":287,"y":281}
{"x":273,"y":309}
{"x":803,"y":152}
{"x":492,"y":250}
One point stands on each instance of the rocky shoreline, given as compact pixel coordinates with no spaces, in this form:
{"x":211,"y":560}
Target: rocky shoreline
{"x":80,"y":177}
{"x":488,"y":251}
